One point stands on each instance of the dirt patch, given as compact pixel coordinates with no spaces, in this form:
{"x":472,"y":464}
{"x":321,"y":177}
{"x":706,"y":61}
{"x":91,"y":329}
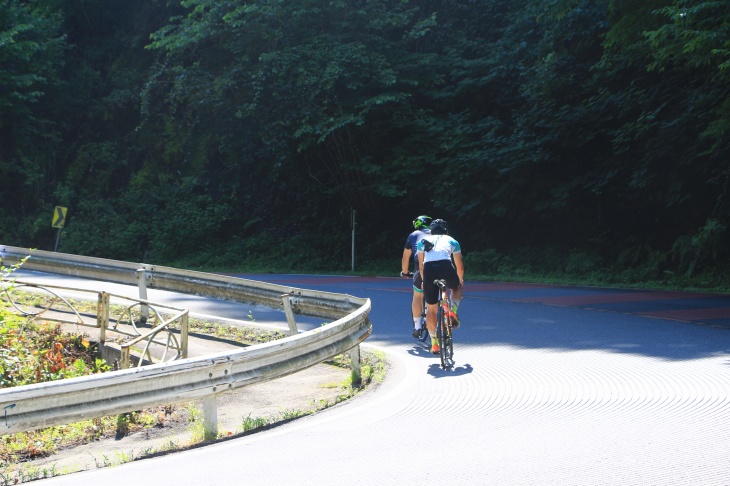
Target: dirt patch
{"x":308,"y":390}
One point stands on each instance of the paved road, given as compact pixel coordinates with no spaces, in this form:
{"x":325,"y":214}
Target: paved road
{"x":552,"y":386}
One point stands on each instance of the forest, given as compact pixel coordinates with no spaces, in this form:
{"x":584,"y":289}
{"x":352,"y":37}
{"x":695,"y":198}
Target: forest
{"x":576,"y":137}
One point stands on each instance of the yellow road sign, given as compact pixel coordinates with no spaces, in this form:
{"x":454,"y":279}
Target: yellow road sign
{"x":59,"y":217}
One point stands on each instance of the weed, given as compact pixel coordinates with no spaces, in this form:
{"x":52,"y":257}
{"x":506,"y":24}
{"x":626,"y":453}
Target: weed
{"x":372,"y":365}
{"x":27,"y":473}
{"x":124,"y":457}
{"x":170,"y":446}
{"x":197,"y":430}
{"x":291,"y":414}
{"x":254,"y":423}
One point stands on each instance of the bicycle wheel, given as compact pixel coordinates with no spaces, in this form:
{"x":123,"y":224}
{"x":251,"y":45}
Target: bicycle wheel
{"x":442,"y":333}
{"x":446,"y":342}
{"x":425,"y":336}
{"x":424,"y":329}
{"x":448,"y":349}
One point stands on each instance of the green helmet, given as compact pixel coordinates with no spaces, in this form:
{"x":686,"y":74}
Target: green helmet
{"x":422,"y":222}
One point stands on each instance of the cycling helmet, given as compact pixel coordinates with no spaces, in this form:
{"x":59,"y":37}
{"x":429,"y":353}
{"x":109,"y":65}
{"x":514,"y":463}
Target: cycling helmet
{"x":439,"y":227}
{"x":422,"y":222}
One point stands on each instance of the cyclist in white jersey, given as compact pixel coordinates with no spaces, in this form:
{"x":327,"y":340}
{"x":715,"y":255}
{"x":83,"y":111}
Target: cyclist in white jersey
{"x":435,"y":254}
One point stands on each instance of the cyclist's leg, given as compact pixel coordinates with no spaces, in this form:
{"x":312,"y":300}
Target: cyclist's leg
{"x":417,"y":302}
{"x":430,"y":293}
{"x":456,"y":293}
{"x":431,"y":318}
{"x":417,"y":306}
{"x":440,"y":328}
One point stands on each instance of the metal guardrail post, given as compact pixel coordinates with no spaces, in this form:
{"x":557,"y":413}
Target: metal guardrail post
{"x":102,"y":317}
{"x":293,"y":331}
{"x":142,"y":284}
{"x":184,"y":322}
{"x":355,"y":368}
{"x":210,"y":417}
{"x":125,"y":361}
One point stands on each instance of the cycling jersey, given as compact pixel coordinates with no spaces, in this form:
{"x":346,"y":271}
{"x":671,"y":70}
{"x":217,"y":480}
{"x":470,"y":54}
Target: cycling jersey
{"x":443,"y":247}
{"x":412,"y":243}
{"x":437,"y":264}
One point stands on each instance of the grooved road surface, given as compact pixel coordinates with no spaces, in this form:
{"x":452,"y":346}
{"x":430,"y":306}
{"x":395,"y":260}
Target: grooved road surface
{"x":552,"y":386}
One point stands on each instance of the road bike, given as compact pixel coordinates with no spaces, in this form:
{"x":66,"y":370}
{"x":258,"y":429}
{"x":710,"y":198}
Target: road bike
{"x":444,"y":326}
{"x":424,"y":331}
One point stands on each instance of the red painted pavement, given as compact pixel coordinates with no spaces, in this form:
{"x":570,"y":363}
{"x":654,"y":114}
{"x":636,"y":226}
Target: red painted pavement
{"x":690,"y":314}
{"x":611,"y":298}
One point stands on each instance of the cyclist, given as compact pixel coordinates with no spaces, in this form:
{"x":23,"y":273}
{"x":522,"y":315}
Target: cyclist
{"x":420,"y":225}
{"x":435,"y":253}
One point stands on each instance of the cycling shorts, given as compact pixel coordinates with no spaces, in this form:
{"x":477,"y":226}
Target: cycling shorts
{"x":417,"y":282}
{"x":439,"y":269}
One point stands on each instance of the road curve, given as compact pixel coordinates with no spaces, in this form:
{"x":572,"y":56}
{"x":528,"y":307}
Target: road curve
{"x":552,"y":386}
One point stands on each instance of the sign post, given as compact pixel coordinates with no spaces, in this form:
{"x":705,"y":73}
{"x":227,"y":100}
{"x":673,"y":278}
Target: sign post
{"x":59,"y":221}
{"x":354,"y":213}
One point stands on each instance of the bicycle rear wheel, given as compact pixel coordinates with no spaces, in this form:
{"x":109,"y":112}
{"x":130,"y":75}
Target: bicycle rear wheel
{"x":446,"y":344}
{"x":449,"y":350}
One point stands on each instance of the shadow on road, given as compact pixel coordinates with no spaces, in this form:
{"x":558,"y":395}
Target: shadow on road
{"x":436,"y":371}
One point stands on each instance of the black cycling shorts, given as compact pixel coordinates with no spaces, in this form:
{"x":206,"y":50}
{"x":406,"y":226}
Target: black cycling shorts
{"x":440,"y":269}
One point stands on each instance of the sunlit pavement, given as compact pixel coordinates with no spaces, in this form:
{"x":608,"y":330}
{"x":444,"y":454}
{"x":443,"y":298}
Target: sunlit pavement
{"x":552,"y":385}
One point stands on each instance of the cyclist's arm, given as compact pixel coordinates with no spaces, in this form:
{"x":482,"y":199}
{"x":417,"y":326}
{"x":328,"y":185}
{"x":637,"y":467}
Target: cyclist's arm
{"x":407,"y":252}
{"x":459,"y":263}
{"x":420,"y":261}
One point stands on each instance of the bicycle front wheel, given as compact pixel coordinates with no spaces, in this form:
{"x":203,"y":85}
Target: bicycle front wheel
{"x":424,"y":330}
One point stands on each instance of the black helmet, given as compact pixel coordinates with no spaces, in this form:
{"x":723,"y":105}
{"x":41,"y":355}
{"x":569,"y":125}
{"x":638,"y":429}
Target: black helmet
{"x":439,"y":227}
{"x":422,"y":222}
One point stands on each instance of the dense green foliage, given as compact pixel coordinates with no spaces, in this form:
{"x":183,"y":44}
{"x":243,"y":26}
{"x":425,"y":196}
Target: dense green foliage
{"x":555,"y":136}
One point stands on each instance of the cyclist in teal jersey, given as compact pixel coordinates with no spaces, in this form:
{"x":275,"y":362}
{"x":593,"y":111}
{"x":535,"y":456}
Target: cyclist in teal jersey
{"x":410,"y":252}
{"x":435,"y":254}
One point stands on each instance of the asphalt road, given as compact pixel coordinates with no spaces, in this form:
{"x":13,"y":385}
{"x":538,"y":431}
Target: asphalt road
{"x":552,"y":386}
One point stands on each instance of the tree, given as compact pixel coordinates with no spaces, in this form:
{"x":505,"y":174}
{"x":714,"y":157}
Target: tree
{"x":31,"y":57}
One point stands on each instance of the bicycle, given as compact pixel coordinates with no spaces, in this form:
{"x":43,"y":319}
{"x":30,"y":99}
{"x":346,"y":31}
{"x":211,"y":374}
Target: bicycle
{"x":444,"y":326}
{"x":424,"y":330}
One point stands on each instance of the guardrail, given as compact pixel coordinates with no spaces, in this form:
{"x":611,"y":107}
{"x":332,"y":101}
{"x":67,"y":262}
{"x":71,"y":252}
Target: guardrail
{"x":45,"y":404}
{"x":48,"y":304}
